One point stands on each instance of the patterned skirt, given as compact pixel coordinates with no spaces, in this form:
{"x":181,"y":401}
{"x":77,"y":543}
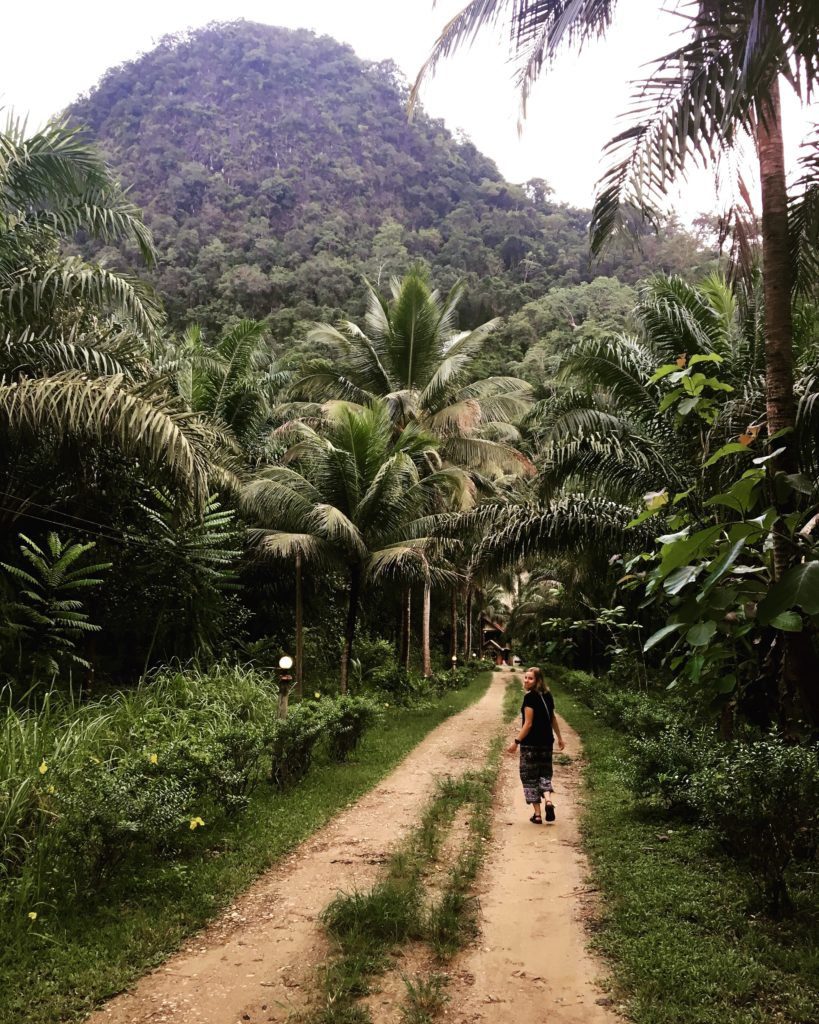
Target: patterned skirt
{"x":536,"y":772}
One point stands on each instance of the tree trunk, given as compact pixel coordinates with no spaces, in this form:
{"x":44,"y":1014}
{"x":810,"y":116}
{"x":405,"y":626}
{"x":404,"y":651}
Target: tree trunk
{"x":778,"y":285}
{"x":349,"y":630}
{"x":798,"y":669}
{"x":299,"y":630}
{"x":453,"y":625}
{"x":406,"y":628}
{"x":427,"y":658}
{"x":284,"y":696}
{"x":468,"y":624}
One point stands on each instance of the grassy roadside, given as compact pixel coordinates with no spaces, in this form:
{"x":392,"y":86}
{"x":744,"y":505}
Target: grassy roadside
{"x":685,"y":943}
{"x":57,"y":969}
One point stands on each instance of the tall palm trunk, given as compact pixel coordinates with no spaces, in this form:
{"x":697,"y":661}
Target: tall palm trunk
{"x":427,"y":658}
{"x":406,"y":628}
{"x":778,"y":285}
{"x":349,"y":629}
{"x":299,"y":629}
{"x":468,"y":623}
{"x":453,"y":625}
{"x":794,"y":653}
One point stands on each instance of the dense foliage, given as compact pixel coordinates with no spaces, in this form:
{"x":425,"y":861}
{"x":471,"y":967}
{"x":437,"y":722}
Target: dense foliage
{"x":275,"y":167}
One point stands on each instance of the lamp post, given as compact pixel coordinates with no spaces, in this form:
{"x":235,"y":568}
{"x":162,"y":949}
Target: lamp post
{"x":454,"y":662}
{"x":285,"y":679}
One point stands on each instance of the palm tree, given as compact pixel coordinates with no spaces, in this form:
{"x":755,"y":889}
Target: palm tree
{"x":413,"y":358}
{"x":721,"y":82}
{"x":53,"y":185}
{"x":235,"y":383}
{"x":350,"y":497}
{"x":75,"y":339}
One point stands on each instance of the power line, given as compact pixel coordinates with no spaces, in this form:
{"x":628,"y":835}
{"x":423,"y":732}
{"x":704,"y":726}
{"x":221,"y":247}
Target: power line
{"x":113,"y":537}
{"x":101,"y":528}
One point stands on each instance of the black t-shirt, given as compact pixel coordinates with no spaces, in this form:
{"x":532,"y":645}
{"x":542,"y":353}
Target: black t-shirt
{"x":543,"y":707}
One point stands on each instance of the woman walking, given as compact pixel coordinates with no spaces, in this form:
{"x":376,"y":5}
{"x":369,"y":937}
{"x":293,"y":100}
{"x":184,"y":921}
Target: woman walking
{"x":536,"y":738}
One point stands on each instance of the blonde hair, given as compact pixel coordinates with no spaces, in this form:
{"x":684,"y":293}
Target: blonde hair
{"x":541,"y":686}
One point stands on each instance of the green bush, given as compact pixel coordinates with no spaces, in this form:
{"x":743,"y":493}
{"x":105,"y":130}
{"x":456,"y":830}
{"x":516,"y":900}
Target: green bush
{"x":112,"y":812}
{"x":346,"y":723}
{"x":763,"y":800}
{"x":84,"y":786}
{"x":664,"y":764}
{"x":293,"y":741}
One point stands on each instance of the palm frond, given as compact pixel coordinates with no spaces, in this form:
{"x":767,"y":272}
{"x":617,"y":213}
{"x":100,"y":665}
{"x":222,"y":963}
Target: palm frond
{"x":105,"y":412}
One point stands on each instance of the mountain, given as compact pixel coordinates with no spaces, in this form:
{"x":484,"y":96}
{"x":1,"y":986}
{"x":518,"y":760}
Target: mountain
{"x":275,"y":168}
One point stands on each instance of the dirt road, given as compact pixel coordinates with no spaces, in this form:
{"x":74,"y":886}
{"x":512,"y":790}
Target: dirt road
{"x":531,"y":963}
{"x":258,"y":961}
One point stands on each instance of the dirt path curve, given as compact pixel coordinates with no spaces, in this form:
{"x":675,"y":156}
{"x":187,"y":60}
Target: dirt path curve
{"x":253,"y":962}
{"x":531,"y":963}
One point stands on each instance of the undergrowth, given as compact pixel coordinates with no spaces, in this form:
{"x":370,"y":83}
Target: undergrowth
{"x":59,"y":965}
{"x":685,"y":925}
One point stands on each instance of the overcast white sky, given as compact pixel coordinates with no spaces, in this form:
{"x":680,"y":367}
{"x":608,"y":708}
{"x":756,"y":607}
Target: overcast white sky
{"x":55,"y":51}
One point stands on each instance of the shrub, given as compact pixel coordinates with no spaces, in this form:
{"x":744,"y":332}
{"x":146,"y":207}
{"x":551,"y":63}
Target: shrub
{"x":763,"y":800}
{"x":113,"y":811}
{"x":292,"y":743}
{"x":345,"y":724}
{"x":664,"y":764}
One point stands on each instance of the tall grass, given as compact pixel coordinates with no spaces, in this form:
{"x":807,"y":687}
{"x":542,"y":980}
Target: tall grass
{"x":181,"y":738}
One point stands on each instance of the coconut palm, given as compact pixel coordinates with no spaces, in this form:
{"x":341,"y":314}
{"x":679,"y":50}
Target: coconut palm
{"x":413,"y":358}
{"x":349,"y":497}
{"x":721,"y":82}
{"x":235,"y":382}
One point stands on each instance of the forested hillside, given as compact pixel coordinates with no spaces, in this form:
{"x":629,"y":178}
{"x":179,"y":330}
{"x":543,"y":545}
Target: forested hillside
{"x":275,"y":167}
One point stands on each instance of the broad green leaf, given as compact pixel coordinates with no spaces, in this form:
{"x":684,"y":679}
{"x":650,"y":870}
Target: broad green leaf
{"x":727,"y":684}
{"x":680,"y":578}
{"x":798,"y":586}
{"x":672,"y":538}
{"x":740,"y":496}
{"x":760,"y":460}
{"x":663,"y":372}
{"x":688,"y":405}
{"x":683,"y":551}
{"x":656,"y":499}
{"x":721,"y":566}
{"x":718,"y":385}
{"x":701,"y":633}
{"x":712,"y":357}
{"x":670,"y":399}
{"x":661,"y":634}
{"x":788,"y":622}
{"x":727,"y":449}
{"x":646,"y":514}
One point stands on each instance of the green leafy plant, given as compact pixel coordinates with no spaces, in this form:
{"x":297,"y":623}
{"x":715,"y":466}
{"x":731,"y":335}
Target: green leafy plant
{"x":47,"y":617}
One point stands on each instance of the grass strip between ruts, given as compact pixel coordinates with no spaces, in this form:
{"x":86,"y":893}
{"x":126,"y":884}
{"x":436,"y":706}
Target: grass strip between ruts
{"x":58,"y":969}
{"x":368,"y":926}
{"x":679,"y":928}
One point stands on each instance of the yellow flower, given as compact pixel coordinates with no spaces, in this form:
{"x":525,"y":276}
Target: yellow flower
{"x":32,"y":915}
{"x":317,"y":695}
{"x":153,"y":759}
{"x":51,"y":789}
{"x":43,"y":768}
{"x":386,"y":705}
{"x":196,"y":823}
